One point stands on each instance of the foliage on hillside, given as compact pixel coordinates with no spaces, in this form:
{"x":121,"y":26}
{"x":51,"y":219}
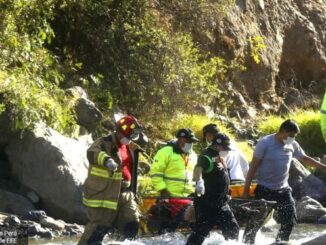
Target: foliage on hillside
{"x":119,"y":51}
{"x":30,"y":76}
{"x":130,"y":59}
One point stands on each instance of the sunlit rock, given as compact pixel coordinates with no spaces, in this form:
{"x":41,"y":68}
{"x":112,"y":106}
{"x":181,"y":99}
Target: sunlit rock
{"x":54,"y":167}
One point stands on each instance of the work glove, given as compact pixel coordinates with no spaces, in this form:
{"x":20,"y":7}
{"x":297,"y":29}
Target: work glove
{"x":111,"y":165}
{"x":200,"y":187}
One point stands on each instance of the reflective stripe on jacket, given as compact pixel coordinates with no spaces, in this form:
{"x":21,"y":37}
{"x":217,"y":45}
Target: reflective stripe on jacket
{"x":173,"y":171}
{"x":102,"y":187}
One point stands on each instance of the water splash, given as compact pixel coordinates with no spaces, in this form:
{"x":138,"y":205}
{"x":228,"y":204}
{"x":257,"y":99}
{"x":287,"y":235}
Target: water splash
{"x":301,"y":233}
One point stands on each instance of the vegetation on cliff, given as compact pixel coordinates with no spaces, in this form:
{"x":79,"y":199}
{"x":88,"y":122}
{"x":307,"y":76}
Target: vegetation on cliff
{"x":147,"y":57}
{"x":121,"y":52}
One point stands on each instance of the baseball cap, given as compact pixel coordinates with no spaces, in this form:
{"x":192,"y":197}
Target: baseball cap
{"x":210,"y":128}
{"x":186,"y":133}
{"x":223,"y":140}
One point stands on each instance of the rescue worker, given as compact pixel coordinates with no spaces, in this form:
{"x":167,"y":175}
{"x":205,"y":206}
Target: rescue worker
{"x":236,"y":162}
{"x":173,"y":165}
{"x":271,"y":160}
{"x":212,"y":189}
{"x":171,"y":174}
{"x":107,"y":196}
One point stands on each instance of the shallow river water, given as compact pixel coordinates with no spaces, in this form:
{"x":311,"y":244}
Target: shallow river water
{"x":300,"y":234}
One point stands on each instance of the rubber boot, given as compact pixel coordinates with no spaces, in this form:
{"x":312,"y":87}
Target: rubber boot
{"x":284,"y":232}
{"x":130,"y":230}
{"x":97,"y":236}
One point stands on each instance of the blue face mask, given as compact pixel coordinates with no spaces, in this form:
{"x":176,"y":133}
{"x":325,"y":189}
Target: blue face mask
{"x":187,"y":148}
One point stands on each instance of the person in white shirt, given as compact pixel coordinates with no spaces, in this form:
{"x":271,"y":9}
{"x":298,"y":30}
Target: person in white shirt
{"x":236,"y":162}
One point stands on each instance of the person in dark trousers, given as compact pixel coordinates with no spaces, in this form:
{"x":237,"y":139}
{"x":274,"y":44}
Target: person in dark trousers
{"x":272,"y":160}
{"x":236,"y":162}
{"x":212,"y":189}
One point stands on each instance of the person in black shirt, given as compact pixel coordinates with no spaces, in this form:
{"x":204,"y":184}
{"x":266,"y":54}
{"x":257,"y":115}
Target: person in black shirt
{"x":212,"y":189}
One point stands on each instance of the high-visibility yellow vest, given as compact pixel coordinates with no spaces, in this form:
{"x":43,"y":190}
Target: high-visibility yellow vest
{"x":173,"y":171}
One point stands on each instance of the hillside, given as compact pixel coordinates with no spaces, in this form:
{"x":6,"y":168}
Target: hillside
{"x":159,"y":57}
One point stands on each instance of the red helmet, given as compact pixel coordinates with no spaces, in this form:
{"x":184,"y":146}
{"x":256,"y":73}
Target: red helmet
{"x":129,"y":127}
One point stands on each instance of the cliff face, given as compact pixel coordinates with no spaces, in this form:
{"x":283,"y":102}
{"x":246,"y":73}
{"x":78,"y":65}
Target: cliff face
{"x":294,"y":33}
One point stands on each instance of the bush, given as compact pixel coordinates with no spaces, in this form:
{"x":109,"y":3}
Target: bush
{"x":129,"y":59}
{"x":28,"y":101}
{"x":30,"y":75}
{"x":119,"y":51}
{"x":167,"y":127}
{"x":310,"y":138}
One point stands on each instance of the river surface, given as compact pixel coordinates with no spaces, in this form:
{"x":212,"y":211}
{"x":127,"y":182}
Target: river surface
{"x":300,"y":234}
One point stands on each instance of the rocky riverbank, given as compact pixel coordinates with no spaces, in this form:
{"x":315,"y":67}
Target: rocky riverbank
{"x":38,"y":224}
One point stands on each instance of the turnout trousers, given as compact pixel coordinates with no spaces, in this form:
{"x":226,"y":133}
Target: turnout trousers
{"x":207,"y":216}
{"x":103,"y":220}
{"x":285,"y":207}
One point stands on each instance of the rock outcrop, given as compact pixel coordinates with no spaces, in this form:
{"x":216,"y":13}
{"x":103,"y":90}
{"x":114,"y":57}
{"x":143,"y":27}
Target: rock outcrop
{"x":304,"y":183}
{"x":294,"y":55}
{"x":88,"y":115}
{"x":309,"y":210}
{"x":14,"y":203}
{"x":54,"y":167}
{"x":45,"y":227}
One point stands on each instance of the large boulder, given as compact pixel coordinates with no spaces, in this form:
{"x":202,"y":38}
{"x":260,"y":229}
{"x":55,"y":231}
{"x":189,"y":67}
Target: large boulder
{"x":14,"y":203}
{"x":88,"y":115}
{"x":54,"y":167}
{"x":304,"y":183}
{"x":309,"y":210}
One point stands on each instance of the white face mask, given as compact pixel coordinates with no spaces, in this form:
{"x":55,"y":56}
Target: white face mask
{"x":187,"y":148}
{"x":125,"y":141}
{"x":223,"y":154}
{"x":288,"y":140}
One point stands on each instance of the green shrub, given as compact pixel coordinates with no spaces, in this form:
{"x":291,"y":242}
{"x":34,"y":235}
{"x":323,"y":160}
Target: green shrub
{"x":310,"y":138}
{"x":30,"y":75}
{"x":128,"y":58}
{"x":119,"y":51}
{"x":167,"y":127}
{"x":28,"y":101}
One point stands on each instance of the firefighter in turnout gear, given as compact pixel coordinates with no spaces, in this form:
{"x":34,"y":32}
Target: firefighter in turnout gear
{"x":107,"y":196}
